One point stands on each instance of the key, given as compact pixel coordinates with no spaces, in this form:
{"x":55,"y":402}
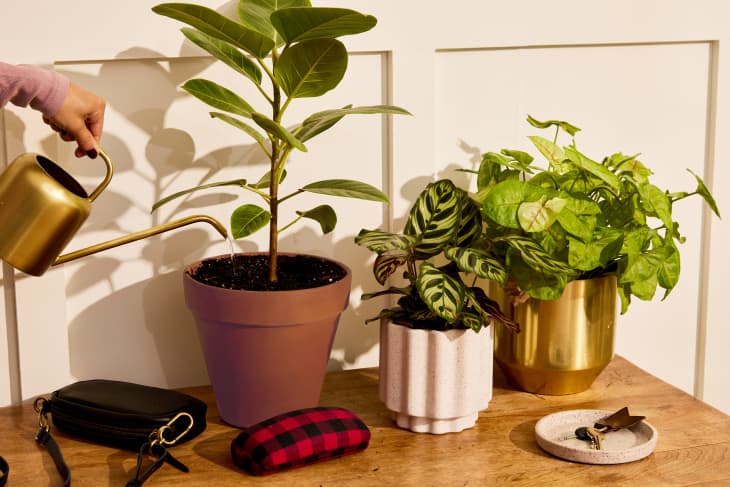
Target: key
{"x":595,"y":437}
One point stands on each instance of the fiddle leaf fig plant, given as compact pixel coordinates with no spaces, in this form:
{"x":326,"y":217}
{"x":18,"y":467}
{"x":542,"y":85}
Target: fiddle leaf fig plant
{"x":287,"y":50}
{"x":439,"y":250}
{"x":578,"y":218}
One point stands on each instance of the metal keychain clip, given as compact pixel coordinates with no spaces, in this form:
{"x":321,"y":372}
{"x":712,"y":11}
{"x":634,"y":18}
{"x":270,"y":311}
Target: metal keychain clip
{"x":158,"y":436}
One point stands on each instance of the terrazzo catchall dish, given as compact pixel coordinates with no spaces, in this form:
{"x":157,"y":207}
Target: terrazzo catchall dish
{"x":623,"y":446}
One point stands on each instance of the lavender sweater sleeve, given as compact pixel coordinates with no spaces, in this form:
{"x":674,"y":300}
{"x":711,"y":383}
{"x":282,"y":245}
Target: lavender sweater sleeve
{"x":23,"y":85}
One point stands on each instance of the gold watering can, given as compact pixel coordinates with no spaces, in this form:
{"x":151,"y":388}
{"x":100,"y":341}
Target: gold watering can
{"x":42,"y":207}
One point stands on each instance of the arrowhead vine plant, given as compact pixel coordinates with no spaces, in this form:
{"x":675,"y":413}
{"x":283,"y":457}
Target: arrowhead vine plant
{"x":288,"y":50}
{"x":579,"y":218}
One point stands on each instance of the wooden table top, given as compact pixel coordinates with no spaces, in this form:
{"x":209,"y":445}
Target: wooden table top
{"x":693,"y":446}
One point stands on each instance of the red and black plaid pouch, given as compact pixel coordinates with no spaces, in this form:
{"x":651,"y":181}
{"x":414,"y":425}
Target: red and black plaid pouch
{"x":299,"y":438}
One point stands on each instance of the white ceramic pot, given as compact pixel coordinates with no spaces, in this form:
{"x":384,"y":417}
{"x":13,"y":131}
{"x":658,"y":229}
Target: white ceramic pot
{"x":435,"y":381}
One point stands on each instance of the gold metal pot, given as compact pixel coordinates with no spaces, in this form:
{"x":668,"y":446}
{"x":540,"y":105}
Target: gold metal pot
{"x":563,"y":344}
{"x":42,"y":207}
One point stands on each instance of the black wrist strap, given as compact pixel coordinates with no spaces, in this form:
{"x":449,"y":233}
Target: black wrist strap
{"x":44,"y":438}
{"x":161,"y":455}
{"x":4,"y":471}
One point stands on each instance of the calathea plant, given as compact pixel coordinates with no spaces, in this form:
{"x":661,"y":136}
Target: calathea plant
{"x":440,"y":249}
{"x":288,"y":50}
{"x":578,"y":218}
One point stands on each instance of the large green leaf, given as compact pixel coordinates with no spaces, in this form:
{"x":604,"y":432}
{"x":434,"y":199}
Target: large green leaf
{"x":276,"y":130}
{"x":219,"y":26}
{"x":347,"y":188}
{"x":538,"y":216}
{"x":579,"y":216}
{"x":256,"y":15}
{"x":669,"y":272}
{"x":225,"y":52}
{"x":321,"y":121}
{"x":322,"y":214}
{"x":568,"y":127}
{"x":479,"y":263}
{"x":387,"y":263}
{"x":311,"y":68}
{"x":704,"y":192}
{"x":656,"y":203}
{"x":167,"y":199}
{"x":600,"y":171}
{"x":536,"y":257}
{"x":240,"y":125}
{"x":595,"y":254}
{"x":218,"y":97}
{"x":470,"y":227}
{"x":380,"y":242}
{"x":300,"y":24}
{"x":247,"y":219}
{"x":434,"y":218}
{"x":551,"y":151}
{"x":503,"y":201}
{"x":443,"y":294}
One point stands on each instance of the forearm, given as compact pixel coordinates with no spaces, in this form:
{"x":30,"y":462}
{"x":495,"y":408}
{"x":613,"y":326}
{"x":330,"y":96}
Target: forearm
{"x":23,"y":85}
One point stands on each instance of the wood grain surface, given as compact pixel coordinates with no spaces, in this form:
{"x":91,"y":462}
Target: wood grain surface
{"x":693,"y":446}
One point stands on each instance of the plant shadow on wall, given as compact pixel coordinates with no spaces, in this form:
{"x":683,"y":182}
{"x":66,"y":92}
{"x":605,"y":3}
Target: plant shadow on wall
{"x":171,"y":150}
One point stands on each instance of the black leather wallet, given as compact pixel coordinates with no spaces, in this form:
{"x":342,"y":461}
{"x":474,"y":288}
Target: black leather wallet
{"x":124,"y":414}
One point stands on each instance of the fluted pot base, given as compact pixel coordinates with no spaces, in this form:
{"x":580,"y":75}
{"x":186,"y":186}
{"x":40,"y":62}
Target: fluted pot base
{"x":435,"y":381}
{"x":419,"y":424}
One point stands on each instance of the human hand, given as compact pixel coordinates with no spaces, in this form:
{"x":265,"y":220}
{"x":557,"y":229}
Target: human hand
{"x":80,"y":118}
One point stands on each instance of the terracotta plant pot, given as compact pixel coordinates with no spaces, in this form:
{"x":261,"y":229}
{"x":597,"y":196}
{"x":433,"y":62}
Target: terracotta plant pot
{"x":563,"y":344}
{"x":266,"y":351}
{"x":435,"y":381}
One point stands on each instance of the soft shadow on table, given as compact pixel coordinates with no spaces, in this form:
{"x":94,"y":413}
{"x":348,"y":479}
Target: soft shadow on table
{"x":523,"y":437}
{"x":217,"y":449}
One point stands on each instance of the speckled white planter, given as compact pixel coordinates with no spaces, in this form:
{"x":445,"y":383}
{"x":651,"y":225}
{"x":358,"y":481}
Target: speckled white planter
{"x":434,"y":381}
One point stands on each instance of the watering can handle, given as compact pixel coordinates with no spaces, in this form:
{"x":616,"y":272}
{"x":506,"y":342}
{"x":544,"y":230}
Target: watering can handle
{"x":107,"y":178}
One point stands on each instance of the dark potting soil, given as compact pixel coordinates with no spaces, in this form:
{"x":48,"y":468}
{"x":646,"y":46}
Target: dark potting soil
{"x":251,"y":272}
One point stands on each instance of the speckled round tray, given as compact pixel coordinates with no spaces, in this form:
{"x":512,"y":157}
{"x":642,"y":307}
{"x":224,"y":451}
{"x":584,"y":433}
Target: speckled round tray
{"x":622,"y":446}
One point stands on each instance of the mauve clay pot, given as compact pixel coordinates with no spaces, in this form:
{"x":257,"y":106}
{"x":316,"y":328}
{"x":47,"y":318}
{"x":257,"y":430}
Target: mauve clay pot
{"x":266,"y":351}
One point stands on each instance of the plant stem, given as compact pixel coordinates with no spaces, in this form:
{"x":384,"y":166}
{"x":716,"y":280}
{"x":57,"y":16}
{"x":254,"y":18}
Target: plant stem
{"x":274,"y":187}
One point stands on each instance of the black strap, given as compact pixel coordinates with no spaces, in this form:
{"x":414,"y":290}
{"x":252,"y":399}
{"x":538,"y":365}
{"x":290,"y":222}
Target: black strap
{"x":4,"y":470}
{"x":161,"y":454}
{"x":44,"y":438}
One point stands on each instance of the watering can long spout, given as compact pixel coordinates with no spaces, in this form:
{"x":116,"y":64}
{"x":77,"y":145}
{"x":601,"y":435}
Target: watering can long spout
{"x":132,"y":237}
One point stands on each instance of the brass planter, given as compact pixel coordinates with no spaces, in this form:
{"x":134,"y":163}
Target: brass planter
{"x":563,"y":344}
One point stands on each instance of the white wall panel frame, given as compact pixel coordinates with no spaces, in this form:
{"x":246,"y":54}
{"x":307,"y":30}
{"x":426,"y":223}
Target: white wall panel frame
{"x":408,"y":42}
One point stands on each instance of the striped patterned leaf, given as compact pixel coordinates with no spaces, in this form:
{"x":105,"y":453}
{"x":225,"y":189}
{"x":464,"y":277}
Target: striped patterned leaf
{"x":536,"y":257}
{"x":386,"y":264}
{"x":478,"y":263}
{"x":379,"y":242}
{"x":471,"y":220}
{"x":434,"y":218}
{"x":443,"y":294}
{"x":489,"y":307}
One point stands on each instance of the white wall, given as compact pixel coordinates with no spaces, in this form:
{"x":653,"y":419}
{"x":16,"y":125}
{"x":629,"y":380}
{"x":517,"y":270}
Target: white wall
{"x":647,"y":77}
